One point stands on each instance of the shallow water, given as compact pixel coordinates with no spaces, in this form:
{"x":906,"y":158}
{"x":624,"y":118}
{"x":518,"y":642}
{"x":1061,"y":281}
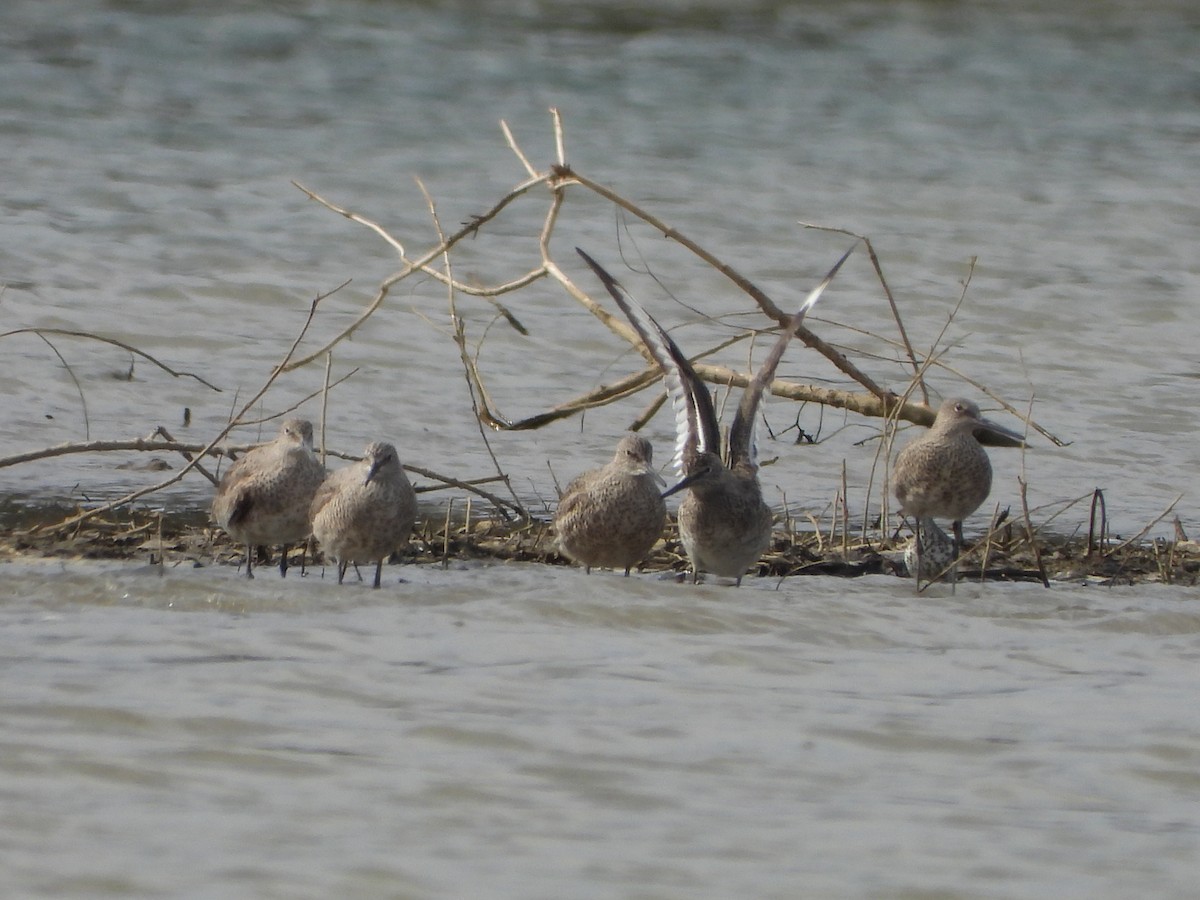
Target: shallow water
{"x":519,"y":731}
{"x":486,"y":731}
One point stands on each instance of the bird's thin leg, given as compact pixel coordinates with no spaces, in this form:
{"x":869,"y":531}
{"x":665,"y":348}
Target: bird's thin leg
{"x":249,"y":560}
{"x":283,"y":561}
{"x":958,"y":549}
{"x":919,"y":548}
{"x":342,"y":569}
{"x":378,"y":573}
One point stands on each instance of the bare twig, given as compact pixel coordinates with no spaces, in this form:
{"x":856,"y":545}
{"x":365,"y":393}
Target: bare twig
{"x":468,"y":363}
{"x":87,"y":427}
{"x":64,"y":332}
{"x":208,"y":448}
{"x":410,"y":266}
{"x":151,"y":444}
{"x":1141,"y":534}
{"x":887,"y":290}
{"x":1033,"y":544}
{"x":188,"y":455}
{"x":765,"y":303}
{"x":1097,"y":535}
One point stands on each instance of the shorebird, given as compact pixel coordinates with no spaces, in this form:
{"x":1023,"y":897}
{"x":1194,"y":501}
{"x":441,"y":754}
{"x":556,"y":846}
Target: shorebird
{"x":612,"y":516}
{"x":945,"y":473}
{"x":932,"y":556}
{"x":264,"y":497}
{"x":724,"y":523}
{"x":365,"y":511}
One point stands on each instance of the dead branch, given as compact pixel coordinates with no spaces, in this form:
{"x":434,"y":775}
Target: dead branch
{"x":876,"y":402}
{"x":765,"y":303}
{"x":410,"y":266}
{"x":469,"y":364}
{"x":207,"y":449}
{"x":193,"y":452}
{"x":887,"y":290}
{"x":143,"y":445}
{"x":129,"y":348}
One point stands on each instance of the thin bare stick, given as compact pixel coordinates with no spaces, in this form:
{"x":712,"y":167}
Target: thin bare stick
{"x":162,"y":432}
{"x":1097,"y":537}
{"x":988,"y":542}
{"x":1141,"y":534}
{"x":150,"y":444}
{"x":87,"y":429}
{"x":1033,"y":545}
{"x":178,"y":476}
{"x":287,"y":410}
{"x":409,"y":267}
{"x":488,"y":292}
{"x":559,"y":179}
{"x":325,"y":404}
{"x":512,"y":145}
{"x":887,"y":291}
{"x":765,"y":303}
{"x":471,"y":487}
{"x":460,"y":336}
{"x":446,"y":536}
{"x":65,"y":332}
{"x":559,"y":141}
{"x":816,"y":524}
{"x":845,"y":513}
{"x":918,"y":376}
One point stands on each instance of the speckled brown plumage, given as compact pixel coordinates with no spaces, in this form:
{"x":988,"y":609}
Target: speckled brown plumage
{"x":724,"y":523}
{"x":365,"y":512}
{"x":945,"y":473}
{"x":265,"y":495}
{"x":933,"y":555}
{"x":612,"y":516}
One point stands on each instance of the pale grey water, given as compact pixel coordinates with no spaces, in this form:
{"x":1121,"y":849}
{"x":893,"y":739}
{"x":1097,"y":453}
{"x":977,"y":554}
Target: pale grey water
{"x":520,"y":732}
{"x":480,"y":732}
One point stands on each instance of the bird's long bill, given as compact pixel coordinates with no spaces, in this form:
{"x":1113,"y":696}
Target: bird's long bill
{"x":684,"y":482}
{"x":995,"y":435}
{"x":372,"y":470}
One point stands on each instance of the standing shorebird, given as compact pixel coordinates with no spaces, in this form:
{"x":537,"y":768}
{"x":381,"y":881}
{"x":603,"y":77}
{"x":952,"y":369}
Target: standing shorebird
{"x":945,"y":473}
{"x":724,"y":523}
{"x":612,"y":516}
{"x":264,"y":497}
{"x":364,"y":512}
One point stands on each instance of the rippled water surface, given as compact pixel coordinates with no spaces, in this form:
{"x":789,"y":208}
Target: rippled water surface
{"x":483,"y":732}
{"x":517,"y":731}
